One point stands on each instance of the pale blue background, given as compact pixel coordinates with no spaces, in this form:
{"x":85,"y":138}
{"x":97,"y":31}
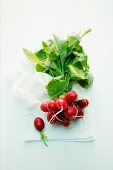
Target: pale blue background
{"x":25,"y":23}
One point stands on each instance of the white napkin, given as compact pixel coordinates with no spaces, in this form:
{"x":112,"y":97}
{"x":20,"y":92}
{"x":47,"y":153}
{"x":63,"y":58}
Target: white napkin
{"x":29,"y":87}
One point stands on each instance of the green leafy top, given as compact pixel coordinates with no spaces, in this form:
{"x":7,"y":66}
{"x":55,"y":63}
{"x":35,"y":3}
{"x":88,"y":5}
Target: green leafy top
{"x":65,"y":61}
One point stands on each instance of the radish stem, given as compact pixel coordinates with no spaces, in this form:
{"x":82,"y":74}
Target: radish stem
{"x":43,"y":137}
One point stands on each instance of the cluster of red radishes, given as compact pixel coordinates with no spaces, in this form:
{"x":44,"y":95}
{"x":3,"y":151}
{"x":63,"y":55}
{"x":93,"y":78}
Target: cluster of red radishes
{"x":62,"y":110}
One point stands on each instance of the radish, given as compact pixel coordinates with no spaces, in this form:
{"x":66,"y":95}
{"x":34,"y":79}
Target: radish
{"x":83,"y":103}
{"x":61,"y":103}
{"x":52,"y":106}
{"x":44,"y":107}
{"x":71,"y":96}
{"x":39,"y":125}
{"x":80,"y":112}
{"x":71,"y":112}
{"x":66,"y":123}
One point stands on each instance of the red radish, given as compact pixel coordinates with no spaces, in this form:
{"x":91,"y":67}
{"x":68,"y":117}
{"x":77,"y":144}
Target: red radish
{"x":63,"y":120}
{"x":66,"y":123}
{"x":80,"y":112}
{"x":44,"y":106}
{"x":71,"y":112}
{"x":49,"y":117}
{"x":71,"y":96}
{"x":83,"y":103}
{"x":39,"y":125}
{"x":61,"y":103}
{"x":52,"y":106}
{"x":87,"y":102}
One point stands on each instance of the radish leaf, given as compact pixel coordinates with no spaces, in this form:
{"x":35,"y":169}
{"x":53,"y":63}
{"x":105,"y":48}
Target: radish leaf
{"x":55,"y":87}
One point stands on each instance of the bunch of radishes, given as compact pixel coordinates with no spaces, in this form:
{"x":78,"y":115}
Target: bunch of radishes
{"x":62,"y":111}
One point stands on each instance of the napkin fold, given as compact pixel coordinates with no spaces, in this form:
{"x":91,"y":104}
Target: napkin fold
{"x":29,"y":87}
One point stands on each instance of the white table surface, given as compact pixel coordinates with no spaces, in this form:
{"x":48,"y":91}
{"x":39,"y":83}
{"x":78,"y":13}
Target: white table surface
{"x":25,"y":23}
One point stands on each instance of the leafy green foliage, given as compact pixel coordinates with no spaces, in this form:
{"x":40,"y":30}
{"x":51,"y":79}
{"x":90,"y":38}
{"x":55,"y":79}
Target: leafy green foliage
{"x":55,"y":87}
{"x":62,"y":49}
{"x":87,"y":81}
{"x":76,"y":73}
{"x":41,"y":55}
{"x":32,"y":57}
{"x":64,"y":58}
{"x":39,"y":68}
